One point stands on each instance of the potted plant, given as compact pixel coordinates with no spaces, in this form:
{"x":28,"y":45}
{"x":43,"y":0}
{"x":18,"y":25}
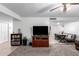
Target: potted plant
{"x":24,"y":40}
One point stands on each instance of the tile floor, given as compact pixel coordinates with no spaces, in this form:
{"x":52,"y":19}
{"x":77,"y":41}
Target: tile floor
{"x":53,"y":50}
{"x":6,"y":49}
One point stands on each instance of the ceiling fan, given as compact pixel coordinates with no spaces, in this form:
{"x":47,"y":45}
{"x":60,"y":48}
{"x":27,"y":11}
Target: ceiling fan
{"x":64,"y":5}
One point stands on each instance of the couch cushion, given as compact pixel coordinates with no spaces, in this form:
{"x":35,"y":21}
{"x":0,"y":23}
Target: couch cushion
{"x":69,"y":36}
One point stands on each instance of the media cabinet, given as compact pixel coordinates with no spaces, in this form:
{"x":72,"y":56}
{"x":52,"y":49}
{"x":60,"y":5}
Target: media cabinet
{"x":40,"y":41}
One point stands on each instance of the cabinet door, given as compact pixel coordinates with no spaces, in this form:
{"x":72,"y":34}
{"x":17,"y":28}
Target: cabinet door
{"x":35,"y":43}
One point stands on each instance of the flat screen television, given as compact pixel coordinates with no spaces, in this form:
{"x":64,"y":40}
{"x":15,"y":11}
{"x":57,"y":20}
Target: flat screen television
{"x":40,"y":30}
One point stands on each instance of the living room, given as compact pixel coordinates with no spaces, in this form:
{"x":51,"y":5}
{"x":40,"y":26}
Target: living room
{"x":22,"y":17}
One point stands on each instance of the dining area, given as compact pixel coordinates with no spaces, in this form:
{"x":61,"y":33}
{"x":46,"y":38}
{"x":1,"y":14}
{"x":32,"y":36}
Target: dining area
{"x":68,"y":39}
{"x":65,"y":37}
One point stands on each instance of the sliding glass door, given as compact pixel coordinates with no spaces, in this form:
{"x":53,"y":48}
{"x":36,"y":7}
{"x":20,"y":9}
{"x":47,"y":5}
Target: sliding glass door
{"x":4,"y":32}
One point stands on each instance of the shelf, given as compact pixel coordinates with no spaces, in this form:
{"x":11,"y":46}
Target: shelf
{"x":16,"y":39}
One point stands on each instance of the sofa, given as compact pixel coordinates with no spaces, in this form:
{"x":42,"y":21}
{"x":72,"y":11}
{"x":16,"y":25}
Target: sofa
{"x":70,"y":38}
{"x":67,"y":37}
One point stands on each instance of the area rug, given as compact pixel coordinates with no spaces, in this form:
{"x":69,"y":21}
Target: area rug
{"x":54,"y":50}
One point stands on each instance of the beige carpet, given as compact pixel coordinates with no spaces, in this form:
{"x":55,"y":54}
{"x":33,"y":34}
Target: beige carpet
{"x":53,"y":50}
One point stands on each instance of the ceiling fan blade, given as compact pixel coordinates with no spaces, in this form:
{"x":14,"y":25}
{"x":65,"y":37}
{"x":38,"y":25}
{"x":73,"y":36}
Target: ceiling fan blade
{"x":74,"y":3}
{"x":45,"y":8}
{"x":64,"y":7}
{"x":55,"y":8}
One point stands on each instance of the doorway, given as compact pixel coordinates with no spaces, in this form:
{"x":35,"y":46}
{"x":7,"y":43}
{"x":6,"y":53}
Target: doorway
{"x":56,"y":28}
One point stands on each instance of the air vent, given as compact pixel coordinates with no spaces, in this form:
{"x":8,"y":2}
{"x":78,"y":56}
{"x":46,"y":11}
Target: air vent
{"x":52,"y":18}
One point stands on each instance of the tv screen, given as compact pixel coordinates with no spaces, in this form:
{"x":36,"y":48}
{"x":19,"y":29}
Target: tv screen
{"x":40,"y":30}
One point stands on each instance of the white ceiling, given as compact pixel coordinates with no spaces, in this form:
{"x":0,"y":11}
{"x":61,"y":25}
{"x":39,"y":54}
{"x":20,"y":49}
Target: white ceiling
{"x":41,"y":10}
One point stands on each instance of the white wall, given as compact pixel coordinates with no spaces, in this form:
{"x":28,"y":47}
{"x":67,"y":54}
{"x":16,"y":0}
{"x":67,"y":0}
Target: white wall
{"x":28,"y":22}
{"x":68,"y":19}
{"x":72,"y":28}
{"x":55,"y":28}
{"x":16,"y":24}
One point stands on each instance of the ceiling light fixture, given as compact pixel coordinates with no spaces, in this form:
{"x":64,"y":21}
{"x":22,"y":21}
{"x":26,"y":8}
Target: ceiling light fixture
{"x":58,"y":23}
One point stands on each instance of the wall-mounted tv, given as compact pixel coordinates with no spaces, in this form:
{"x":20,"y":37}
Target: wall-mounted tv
{"x":40,"y":30}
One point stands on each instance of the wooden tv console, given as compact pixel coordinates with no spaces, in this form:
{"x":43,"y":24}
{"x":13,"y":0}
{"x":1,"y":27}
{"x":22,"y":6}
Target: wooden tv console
{"x":40,"y":41}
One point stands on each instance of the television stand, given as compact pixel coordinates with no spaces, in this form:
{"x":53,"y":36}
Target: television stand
{"x":40,"y":41}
